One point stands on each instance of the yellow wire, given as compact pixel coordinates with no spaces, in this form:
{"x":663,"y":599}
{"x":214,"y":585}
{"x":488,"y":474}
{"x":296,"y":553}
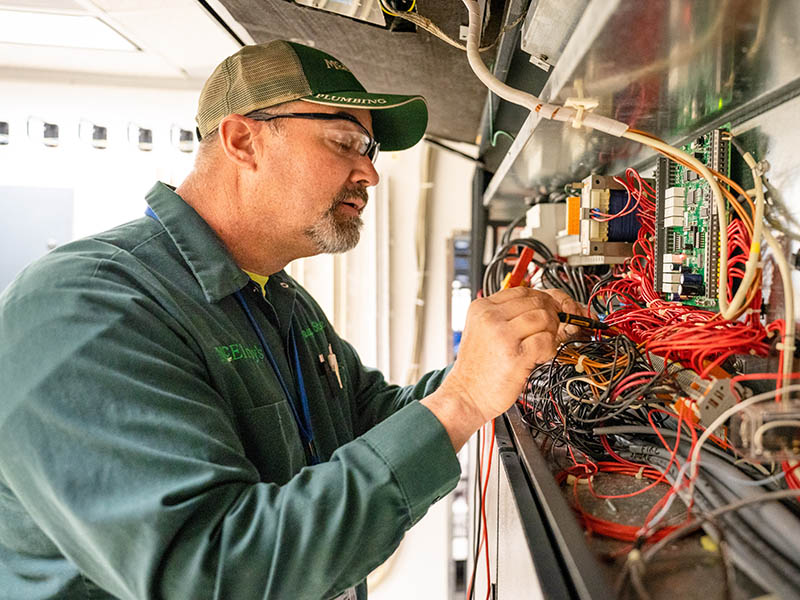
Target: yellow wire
{"x":391,"y":14}
{"x":380,"y":2}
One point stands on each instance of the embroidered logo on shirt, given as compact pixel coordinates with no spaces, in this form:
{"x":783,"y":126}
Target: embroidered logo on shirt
{"x":234,"y":352}
{"x":316,"y":327}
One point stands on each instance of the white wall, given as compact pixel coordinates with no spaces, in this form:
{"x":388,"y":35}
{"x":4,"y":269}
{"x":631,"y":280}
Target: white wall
{"x":420,"y":566}
{"x":109,"y":187}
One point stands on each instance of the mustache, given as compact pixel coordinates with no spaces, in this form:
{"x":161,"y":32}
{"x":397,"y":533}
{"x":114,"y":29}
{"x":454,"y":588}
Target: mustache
{"x":346,"y":194}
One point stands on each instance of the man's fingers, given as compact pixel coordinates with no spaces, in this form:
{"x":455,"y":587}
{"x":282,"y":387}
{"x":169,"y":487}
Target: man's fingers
{"x":565,"y":302}
{"x":568,"y":332}
{"x":539,"y":347}
{"x":534,"y":321}
{"x":518,"y":304}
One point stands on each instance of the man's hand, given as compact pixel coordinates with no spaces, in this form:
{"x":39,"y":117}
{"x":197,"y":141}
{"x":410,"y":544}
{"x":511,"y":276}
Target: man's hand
{"x":505,"y":337}
{"x":567,"y":305}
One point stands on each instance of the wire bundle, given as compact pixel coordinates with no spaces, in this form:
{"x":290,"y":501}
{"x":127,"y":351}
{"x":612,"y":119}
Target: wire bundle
{"x":590,"y":383}
{"x":698,"y":338}
{"x":605,"y":385}
{"x":548,"y":270}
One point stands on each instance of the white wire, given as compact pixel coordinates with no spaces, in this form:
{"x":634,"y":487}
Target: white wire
{"x":727,"y":310}
{"x":664,"y":509}
{"x":758,"y":436}
{"x":720,"y":420}
{"x":788,"y":301}
{"x":506,"y":92}
{"x":585,"y":380}
{"x":529,"y":101}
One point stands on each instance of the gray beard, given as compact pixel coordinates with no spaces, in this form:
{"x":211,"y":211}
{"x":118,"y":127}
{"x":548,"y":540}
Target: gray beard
{"x":334,"y":234}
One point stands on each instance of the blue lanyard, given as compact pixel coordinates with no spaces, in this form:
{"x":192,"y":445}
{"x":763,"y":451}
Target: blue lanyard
{"x":303,"y":422}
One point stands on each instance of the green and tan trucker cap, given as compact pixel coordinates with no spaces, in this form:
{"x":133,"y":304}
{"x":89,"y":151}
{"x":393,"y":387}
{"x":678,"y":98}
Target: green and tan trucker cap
{"x":263,"y":75}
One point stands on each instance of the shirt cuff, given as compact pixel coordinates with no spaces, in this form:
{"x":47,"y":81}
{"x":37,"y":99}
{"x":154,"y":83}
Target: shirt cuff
{"x":416,"y":447}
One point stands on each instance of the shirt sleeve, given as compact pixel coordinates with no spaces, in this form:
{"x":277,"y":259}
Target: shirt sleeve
{"x":115,"y":442}
{"x":375,"y":399}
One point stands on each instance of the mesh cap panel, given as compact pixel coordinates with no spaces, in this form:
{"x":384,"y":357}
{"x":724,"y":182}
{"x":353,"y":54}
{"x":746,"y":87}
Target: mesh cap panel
{"x":256,"y":77}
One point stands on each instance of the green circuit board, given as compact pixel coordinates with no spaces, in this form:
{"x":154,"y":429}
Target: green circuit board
{"x":686,"y":248}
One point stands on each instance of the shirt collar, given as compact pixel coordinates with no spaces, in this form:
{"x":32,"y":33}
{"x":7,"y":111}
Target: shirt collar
{"x":207,"y":257}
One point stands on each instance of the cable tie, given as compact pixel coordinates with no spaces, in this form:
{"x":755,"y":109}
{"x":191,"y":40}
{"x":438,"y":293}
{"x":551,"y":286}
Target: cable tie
{"x":611,"y":506}
{"x":580,"y":104}
{"x":785,"y":346}
{"x":579,"y":365}
{"x":639,"y":474}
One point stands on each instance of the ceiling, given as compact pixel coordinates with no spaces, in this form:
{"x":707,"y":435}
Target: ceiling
{"x":386,"y":61}
{"x":179,"y":42}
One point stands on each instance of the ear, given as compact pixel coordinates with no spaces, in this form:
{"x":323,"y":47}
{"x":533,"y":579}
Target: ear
{"x":237,"y":136}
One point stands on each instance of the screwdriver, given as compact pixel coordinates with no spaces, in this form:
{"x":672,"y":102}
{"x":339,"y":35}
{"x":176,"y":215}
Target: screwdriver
{"x":580,"y":321}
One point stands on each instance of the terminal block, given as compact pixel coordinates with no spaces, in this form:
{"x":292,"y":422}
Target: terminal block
{"x":769,"y":431}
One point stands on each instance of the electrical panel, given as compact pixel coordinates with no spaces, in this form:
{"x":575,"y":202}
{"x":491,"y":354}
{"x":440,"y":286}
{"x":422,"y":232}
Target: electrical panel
{"x":680,"y":406}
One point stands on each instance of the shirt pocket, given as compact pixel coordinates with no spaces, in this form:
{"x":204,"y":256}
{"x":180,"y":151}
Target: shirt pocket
{"x":272,"y":443}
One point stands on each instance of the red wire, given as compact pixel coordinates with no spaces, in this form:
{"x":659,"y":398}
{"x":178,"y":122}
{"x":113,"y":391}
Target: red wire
{"x":483,"y":504}
{"x":627,"y":533}
{"x":482,"y":526}
{"x":695,"y":337}
{"x":483,"y":529}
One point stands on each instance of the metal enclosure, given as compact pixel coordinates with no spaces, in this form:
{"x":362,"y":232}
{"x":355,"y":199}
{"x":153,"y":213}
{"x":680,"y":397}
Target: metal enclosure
{"x":675,"y":69}
{"x":671,"y":68}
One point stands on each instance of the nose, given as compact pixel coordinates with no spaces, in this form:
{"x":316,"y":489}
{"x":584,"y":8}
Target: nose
{"x":364,"y":173}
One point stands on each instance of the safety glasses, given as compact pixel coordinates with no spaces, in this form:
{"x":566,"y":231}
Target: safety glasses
{"x":347,"y":141}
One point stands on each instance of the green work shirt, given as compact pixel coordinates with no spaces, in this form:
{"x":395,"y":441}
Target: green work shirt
{"x":148,"y":451}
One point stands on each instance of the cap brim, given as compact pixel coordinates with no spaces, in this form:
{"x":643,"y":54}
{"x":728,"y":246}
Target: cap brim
{"x":398,"y":122}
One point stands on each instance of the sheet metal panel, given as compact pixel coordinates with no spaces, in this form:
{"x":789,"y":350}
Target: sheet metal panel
{"x":671,"y":68}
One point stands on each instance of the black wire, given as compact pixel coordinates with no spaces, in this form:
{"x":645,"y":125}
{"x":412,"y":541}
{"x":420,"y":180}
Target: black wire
{"x":477,"y":161}
{"x":495,"y":270}
{"x":548,"y":410}
{"x":510,"y":229}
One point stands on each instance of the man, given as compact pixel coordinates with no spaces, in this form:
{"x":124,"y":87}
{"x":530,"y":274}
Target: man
{"x":179,"y":420}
